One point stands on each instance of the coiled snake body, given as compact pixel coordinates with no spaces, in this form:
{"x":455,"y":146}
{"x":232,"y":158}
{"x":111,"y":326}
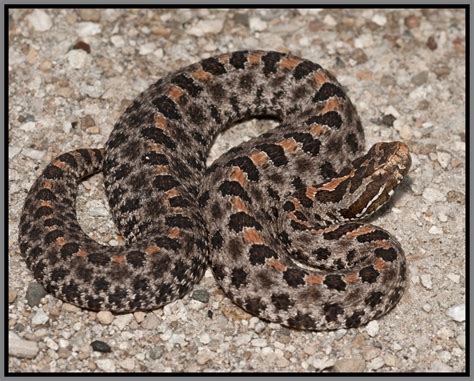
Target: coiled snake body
{"x":277,"y":217}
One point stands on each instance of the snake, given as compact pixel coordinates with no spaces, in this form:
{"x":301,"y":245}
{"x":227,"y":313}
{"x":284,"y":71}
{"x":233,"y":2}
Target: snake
{"x":280,"y":219}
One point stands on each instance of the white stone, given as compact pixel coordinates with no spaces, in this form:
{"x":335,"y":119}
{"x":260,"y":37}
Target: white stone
{"x":177,"y":338}
{"x":349,"y":365}
{"x":28,"y":126}
{"x":13,"y":151}
{"x":433,"y":195}
{"x":242,"y":340}
{"x":443,"y":159}
{"x":33,"y":153}
{"x":426,"y":281}
{"x":390,"y":110}
{"x":78,"y":58}
{"x":329,"y":20}
{"x":51,"y":344}
{"x":372,"y":328}
{"x":147,"y":48}
{"x":21,"y":348}
{"x":128,"y":364}
{"x":204,"y":27}
{"x":427,"y":308}
{"x":454,"y":277}
{"x":40,"y":318}
{"x":204,"y":338}
{"x":85,"y":29}
{"x":435,"y":230}
{"x":256,"y":24}
{"x":139,"y":316}
{"x":457,"y":313}
{"x":379,"y":19}
{"x":40,"y":20}
{"x":438,"y":366}
{"x":105,"y":317}
{"x":107,"y":365}
{"x":376,"y":363}
{"x":260,"y":342}
{"x":442,"y":217}
{"x":117,"y":41}
{"x":324,"y":363}
{"x":121,"y":321}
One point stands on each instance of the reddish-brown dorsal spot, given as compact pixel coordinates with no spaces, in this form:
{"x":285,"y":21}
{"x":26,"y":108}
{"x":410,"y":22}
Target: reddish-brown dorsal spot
{"x":59,"y":164}
{"x":201,"y":75}
{"x":238,"y":175}
{"x":320,"y":77}
{"x":46,"y":203}
{"x":224,"y":58}
{"x":60,"y":241}
{"x":289,"y":63}
{"x":379,"y":264}
{"x":254,"y":58}
{"x":160,"y":169}
{"x":317,"y":130}
{"x":118,"y":259}
{"x":314,"y":279}
{"x":82,"y":253}
{"x":172,"y":193}
{"x":160,"y":121}
{"x":259,"y":158}
{"x":277,"y":265}
{"x":310,"y":192}
{"x":238,"y":205}
{"x":48,"y":184}
{"x":360,"y":231}
{"x":150,"y":250}
{"x":332,"y":104}
{"x":383,"y":244}
{"x":174,"y":232}
{"x":252,"y":236}
{"x":351,"y":278}
{"x":174,"y":92}
{"x":289,"y":145}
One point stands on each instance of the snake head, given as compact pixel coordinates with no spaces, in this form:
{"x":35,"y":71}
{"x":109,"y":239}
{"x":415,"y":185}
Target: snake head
{"x":374,"y":177}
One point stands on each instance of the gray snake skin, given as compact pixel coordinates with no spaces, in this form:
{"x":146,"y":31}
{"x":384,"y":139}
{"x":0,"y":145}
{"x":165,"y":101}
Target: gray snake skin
{"x":278,"y":218}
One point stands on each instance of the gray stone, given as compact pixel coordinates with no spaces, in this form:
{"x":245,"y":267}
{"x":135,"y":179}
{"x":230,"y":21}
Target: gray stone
{"x":34,"y":293}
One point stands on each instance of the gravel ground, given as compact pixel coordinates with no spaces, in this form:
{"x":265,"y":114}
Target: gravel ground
{"x":72,"y":72}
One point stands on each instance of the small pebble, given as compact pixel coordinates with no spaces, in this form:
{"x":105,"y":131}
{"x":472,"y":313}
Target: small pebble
{"x":121,"y":321}
{"x":82,"y":46}
{"x":39,"y":20}
{"x":431,"y":43}
{"x":11,"y":295}
{"x":376,"y":363}
{"x":433,"y":195}
{"x":100,"y":346}
{"x":426,"y":281}
{"x":454,"y":277}
{"x":321,"y":364}
{"x":379,"y":19}
{"x":34,"y":293}
{"x":204,"y":27}
{"x":139,"y":316}
{"x":461,"y":340}
{"x":349,"y":365}
{"x":457,"y":313}
{"x":51,"y":344}
{"x":444,"y":159}
{"x":256,"y":24}
{"x":70,"y":308}
{"x":200,"y":295}
{"x":39,"y":318}
{"x":128,"y":364}
{"x":105,"y":317}
{"x":440,"y":367}
{"x":329,"y":20}
{"x":204,"y":338}
{"x":151,"y":321}
{"x":85,"y":29}
{"x":412,"y":21}
{"x":156,"y":352}
{"x":435,"y":230}
{"x":78,"y":59}
{"x":390,"y":360}
{"x":372,"y":328}
{"x":107,"y":365}
{"x":260,"y":342}
{"x":21,"y":348}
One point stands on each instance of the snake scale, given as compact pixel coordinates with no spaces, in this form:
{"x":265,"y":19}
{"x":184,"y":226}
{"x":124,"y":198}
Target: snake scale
{"x":278,"y":218}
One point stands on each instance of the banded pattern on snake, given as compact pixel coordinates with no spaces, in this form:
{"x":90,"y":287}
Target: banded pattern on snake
{"x":278,"y":218}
